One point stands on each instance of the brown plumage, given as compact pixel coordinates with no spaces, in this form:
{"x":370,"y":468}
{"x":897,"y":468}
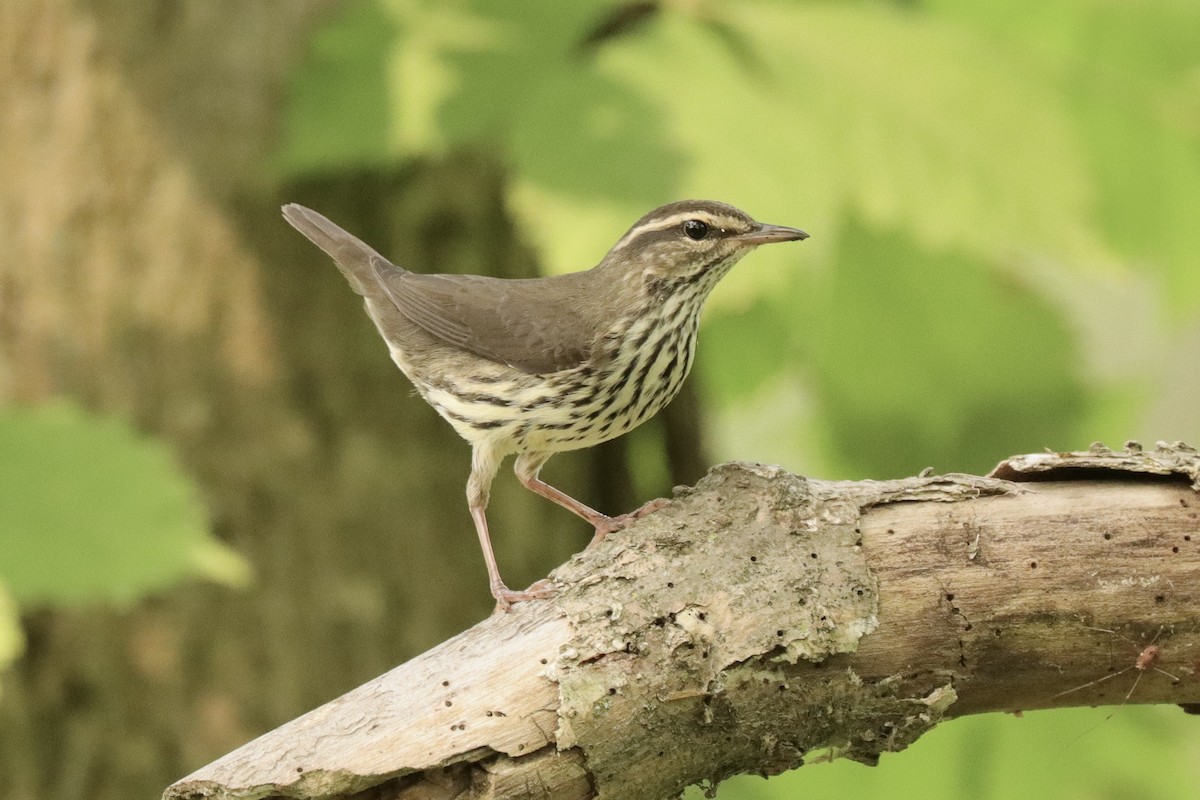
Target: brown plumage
{"x":537,"y":366}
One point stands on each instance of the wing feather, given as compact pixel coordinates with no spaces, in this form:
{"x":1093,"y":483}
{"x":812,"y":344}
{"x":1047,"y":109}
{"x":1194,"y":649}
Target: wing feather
{"x":532,"y":325}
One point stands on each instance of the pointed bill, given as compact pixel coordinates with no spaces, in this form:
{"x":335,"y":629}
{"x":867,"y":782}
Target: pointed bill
{"x":765,"y":234}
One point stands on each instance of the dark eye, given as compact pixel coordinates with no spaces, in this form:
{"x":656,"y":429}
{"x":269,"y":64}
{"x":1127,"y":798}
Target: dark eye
{"x":695,"y":229}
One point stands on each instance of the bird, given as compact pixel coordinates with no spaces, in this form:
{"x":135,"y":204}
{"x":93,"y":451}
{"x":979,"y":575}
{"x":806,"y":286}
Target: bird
{"x":531,"y":367}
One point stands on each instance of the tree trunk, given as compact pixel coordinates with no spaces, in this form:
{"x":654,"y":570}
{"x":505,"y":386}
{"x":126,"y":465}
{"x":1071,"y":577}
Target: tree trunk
{"x":145,"y":272}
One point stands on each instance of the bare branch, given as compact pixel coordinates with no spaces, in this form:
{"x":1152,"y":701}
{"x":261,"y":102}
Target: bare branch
{"x":761,"y":616}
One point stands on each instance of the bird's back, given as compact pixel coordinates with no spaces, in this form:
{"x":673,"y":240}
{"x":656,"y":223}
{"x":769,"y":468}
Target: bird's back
{"x":535,"y":325}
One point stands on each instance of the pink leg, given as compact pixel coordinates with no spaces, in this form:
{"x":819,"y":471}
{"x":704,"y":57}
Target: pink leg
{"x":505,"y":596}
{"x":483,"y":469}
{"x":527,"y":468}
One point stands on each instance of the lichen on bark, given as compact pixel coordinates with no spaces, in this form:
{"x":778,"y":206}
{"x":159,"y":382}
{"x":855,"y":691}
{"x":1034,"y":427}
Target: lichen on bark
{"x":783,"y":580}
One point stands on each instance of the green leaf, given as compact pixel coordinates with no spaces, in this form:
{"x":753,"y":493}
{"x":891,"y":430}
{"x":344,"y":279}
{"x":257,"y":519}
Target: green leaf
{"x":588,"y":155}
{"x":907,"y":120}
{"x":91,"y":511}
{"x":341,"y":105}
{"x":563,"y":124}
{"x":1130,"y":77}
{"x":912,"y":358}
{"x":936,"y":358}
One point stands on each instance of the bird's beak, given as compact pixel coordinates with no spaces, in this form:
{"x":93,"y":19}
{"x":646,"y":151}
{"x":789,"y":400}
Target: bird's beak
{"x":765,"y":234}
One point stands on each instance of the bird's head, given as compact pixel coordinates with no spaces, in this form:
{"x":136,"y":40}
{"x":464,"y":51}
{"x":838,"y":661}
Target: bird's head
{"x":682,"y":242}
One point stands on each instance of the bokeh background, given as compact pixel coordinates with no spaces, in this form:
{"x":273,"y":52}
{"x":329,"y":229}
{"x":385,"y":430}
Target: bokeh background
{"x":221,"y":505}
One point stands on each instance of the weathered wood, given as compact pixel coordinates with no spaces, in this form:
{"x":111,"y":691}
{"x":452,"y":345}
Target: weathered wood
{"x":760,"y":616}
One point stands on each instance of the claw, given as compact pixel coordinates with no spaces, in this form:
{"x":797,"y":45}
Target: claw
{"x":505,"y":597}
{"x":607,"y":525}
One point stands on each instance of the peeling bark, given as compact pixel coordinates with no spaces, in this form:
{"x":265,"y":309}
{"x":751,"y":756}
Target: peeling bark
{"x":760,"y":616}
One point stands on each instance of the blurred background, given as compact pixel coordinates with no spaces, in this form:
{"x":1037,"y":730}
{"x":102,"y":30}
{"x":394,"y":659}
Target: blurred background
{"x":220,"y":503}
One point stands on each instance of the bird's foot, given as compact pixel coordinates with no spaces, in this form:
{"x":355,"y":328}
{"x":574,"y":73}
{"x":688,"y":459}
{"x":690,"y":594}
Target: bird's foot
{"x":607,"y":525}
{"x":505,"y":597}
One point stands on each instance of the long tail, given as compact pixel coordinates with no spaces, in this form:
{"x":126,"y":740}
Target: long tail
{"x":357,"y":260}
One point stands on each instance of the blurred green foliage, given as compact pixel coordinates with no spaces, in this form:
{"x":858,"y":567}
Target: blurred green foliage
{"x":1129,"y":753}
{"x":12,"y":640}
{"x":910,"y":367}
{"x":93,"y":512}
{"x":967,"y":175}
{"x":1003,"y":200}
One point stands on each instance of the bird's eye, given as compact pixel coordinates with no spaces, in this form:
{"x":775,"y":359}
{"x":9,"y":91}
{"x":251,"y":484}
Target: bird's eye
{"x":695,"y":229}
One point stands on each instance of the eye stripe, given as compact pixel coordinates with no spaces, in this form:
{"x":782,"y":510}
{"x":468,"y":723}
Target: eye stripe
{"x":647,"y":229}
{"x":653,"y":225}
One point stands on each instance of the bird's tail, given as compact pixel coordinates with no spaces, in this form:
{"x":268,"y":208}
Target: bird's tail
{"x":357,"y":260}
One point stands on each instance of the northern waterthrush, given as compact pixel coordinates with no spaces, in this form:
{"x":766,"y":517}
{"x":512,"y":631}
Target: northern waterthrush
{"x":537,"y":366}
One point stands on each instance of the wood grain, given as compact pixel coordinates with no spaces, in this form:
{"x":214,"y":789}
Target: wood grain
{"x":760,"y":616}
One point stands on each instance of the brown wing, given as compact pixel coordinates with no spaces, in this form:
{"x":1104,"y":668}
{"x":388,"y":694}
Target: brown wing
{"x":536,"y":325}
